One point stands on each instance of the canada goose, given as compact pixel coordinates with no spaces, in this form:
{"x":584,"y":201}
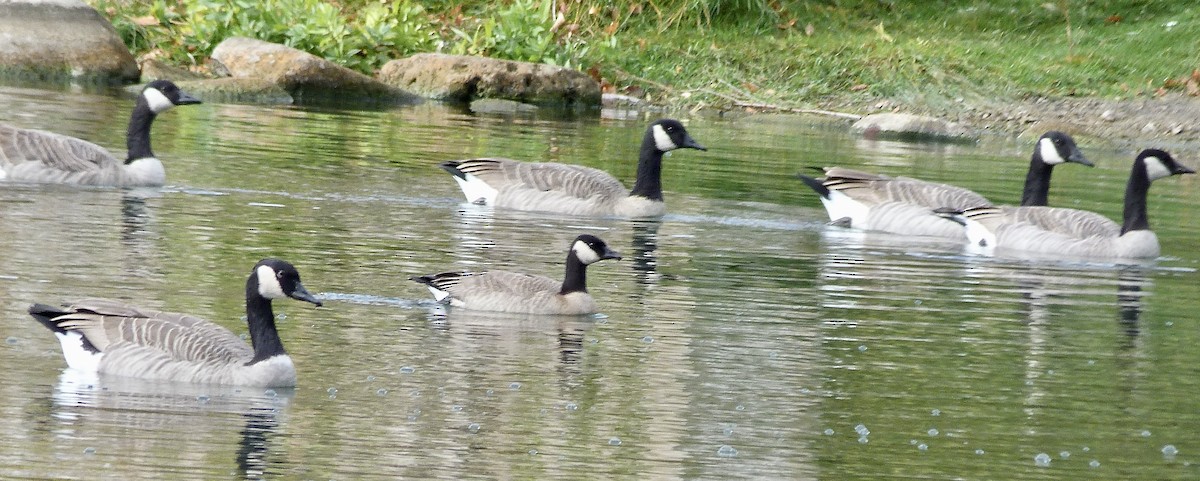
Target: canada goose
{"x":111,"y":337}
{"x":1071,"y":232}
{"x":574,"y":189}
{"x":523,"y":293}
{"x":38,"y":156}
{"x":904,"y":205}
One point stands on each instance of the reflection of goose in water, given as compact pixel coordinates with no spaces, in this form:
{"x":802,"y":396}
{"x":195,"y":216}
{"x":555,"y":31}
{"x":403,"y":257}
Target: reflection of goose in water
{"x":169,"y":418}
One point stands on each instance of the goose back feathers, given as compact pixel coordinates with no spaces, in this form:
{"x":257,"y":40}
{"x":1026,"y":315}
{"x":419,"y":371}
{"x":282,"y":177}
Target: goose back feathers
{"x":904,"y":205}
{"x":571,"y":189}
{"x":115,"y":338}
{"x":504,"y":291}
{"x":38,"y":156}
{"x":1075,"y":233}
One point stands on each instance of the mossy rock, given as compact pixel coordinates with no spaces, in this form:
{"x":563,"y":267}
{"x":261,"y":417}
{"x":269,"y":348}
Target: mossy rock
{"x":61,"y":41}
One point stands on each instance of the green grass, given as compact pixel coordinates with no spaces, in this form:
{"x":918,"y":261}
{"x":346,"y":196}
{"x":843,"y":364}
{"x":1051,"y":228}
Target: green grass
{"x":787,"y":53}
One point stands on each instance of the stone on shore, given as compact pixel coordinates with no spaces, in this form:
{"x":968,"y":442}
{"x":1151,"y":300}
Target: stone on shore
{"x":264,"y":69}
{"x":61,"y":40}
{"x":461,"y":78}
{"x":910,"y":127}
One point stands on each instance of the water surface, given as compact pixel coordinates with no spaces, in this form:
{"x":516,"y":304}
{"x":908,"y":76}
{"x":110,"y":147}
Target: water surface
{"x":741,"y":337}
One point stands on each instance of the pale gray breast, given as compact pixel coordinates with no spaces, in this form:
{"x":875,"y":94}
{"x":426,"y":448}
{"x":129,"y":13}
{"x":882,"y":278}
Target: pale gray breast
{"x":40,"y":156}
{"x":1069,"y":222}
{"x":1031,"y":238}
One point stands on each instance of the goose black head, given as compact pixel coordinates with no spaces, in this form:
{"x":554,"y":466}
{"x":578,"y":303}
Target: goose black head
{"x":1159,"y":164}
{"x":1057,"y":148}
{"x":669,"y":134}
{"x":590,"y":249}
{"x":162,"y":95}
{"x":278,"y":279}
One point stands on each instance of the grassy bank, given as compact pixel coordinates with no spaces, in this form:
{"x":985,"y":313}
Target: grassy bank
{"x":719,"y":53}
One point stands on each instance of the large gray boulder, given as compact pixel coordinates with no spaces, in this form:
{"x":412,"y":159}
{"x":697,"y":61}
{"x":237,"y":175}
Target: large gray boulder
{"x":910,"y":127}
{"x":265,"y":68}
{"x":463,"y":79}
{"x":61,"y":40}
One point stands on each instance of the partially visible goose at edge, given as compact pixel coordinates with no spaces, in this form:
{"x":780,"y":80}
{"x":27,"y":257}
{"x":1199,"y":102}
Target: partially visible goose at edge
{"x":504,"y":291}
{"x":1051,"y":231}
{"x":904,"y":205}
{"x":38,"y":156}
{"x":114,"y":338}
{"x":574,"y":189}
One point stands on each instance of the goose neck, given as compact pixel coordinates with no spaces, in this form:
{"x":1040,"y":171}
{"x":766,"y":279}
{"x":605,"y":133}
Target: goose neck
{"x":261,"y":320}
{"x":649,"y":173}
{"x":137,"y":138}
{"x":575,"y":277}
{"x":1135,"y":200}
{"x":1037,"y":182}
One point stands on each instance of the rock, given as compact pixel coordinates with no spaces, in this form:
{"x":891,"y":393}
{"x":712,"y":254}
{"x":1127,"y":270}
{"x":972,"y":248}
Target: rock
{"x":910,"y":127}
{"x":501,"y":106}
{"x":63,"y":40}
{"x":267,"y":68}
{"x":155,"y":69}
{"x":1108,"y":115}
{"x":464,"y":78}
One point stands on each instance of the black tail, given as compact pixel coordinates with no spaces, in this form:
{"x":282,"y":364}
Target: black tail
{"x":815,"y":184}
{"x":427,"y":280}
{"x":951,"y":214}
{"x":451,"y":166}
{"x":44,"y":314}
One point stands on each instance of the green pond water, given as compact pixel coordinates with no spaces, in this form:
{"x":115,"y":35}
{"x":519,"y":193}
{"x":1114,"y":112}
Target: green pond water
{"x":741,"y":337}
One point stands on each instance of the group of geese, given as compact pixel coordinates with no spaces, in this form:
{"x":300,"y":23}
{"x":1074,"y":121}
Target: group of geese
{"x":111,"y":337}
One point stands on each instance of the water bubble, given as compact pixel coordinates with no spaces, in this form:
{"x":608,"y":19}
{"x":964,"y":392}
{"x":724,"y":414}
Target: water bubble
{"x":332,"y":390}
{"x":572,"y":407}
{"x":828,"y":431}
{"x":1146,"y":433}
{"x":726,"y":451}
{"x":614,"y":441}
{"x":12,"y":340}
{"x":916,"y":302}
{"x":979,"y":452}
{"x":729,"y":431}
{"x":740,"y":407}
{"x":473,"y":428}
{"x":647,"y":339}
{"x":912,"y":442}
{"x":1086,"y":449}
{"x":1042,"y":460}
{"x":1091,"y":362}
{"x":804,"y":390}
{"x":370,"y":378}
{"x":203,"y":398}
{"x":862,"y":430}
{"x":381,"y":392}
{"x":514,"y":385}
{"x":936,"y":412}
{"x":490,"y":392}
{"x":1169,"y":323}
{"x":1064,"y":454}
{"x":923,"y":447}
{"x":1169,"y":451}
{"x":89,"y":450}
{"x":270,"y":393}
{"x":933,"y":431}
{"x":533,"y":452}
{"x":408,"y":370}
{"x":456,"y":408}
{"x":1094,"y":464}
{"x":862,"y":348}
{"x":863,"y":440}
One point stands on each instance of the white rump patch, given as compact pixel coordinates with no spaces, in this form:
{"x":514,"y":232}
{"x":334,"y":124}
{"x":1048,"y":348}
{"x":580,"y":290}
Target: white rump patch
{"x":146,"y":171}
{"x":585,"y":253}
{"x":438,"y":294}
{"x":840,"y":206}
{"x":1049,"y":153}
{"x":476,"y":190}
{"x":1155,"y":169}
{"x":981,"y":239}
{"x":268,"y":284}
{"x":157,"y":101}
{"x":77,"y":357}
{"x":662,"y":140}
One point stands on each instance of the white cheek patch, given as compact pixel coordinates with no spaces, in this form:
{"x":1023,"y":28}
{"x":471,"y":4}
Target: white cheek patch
{"x":585,"y":253}
{"x":1155,"y":169}
{"x":662,"y":140}
{"x":268,"y":284}
{"x":1049,"y":153}
{"x":156,"y":100}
